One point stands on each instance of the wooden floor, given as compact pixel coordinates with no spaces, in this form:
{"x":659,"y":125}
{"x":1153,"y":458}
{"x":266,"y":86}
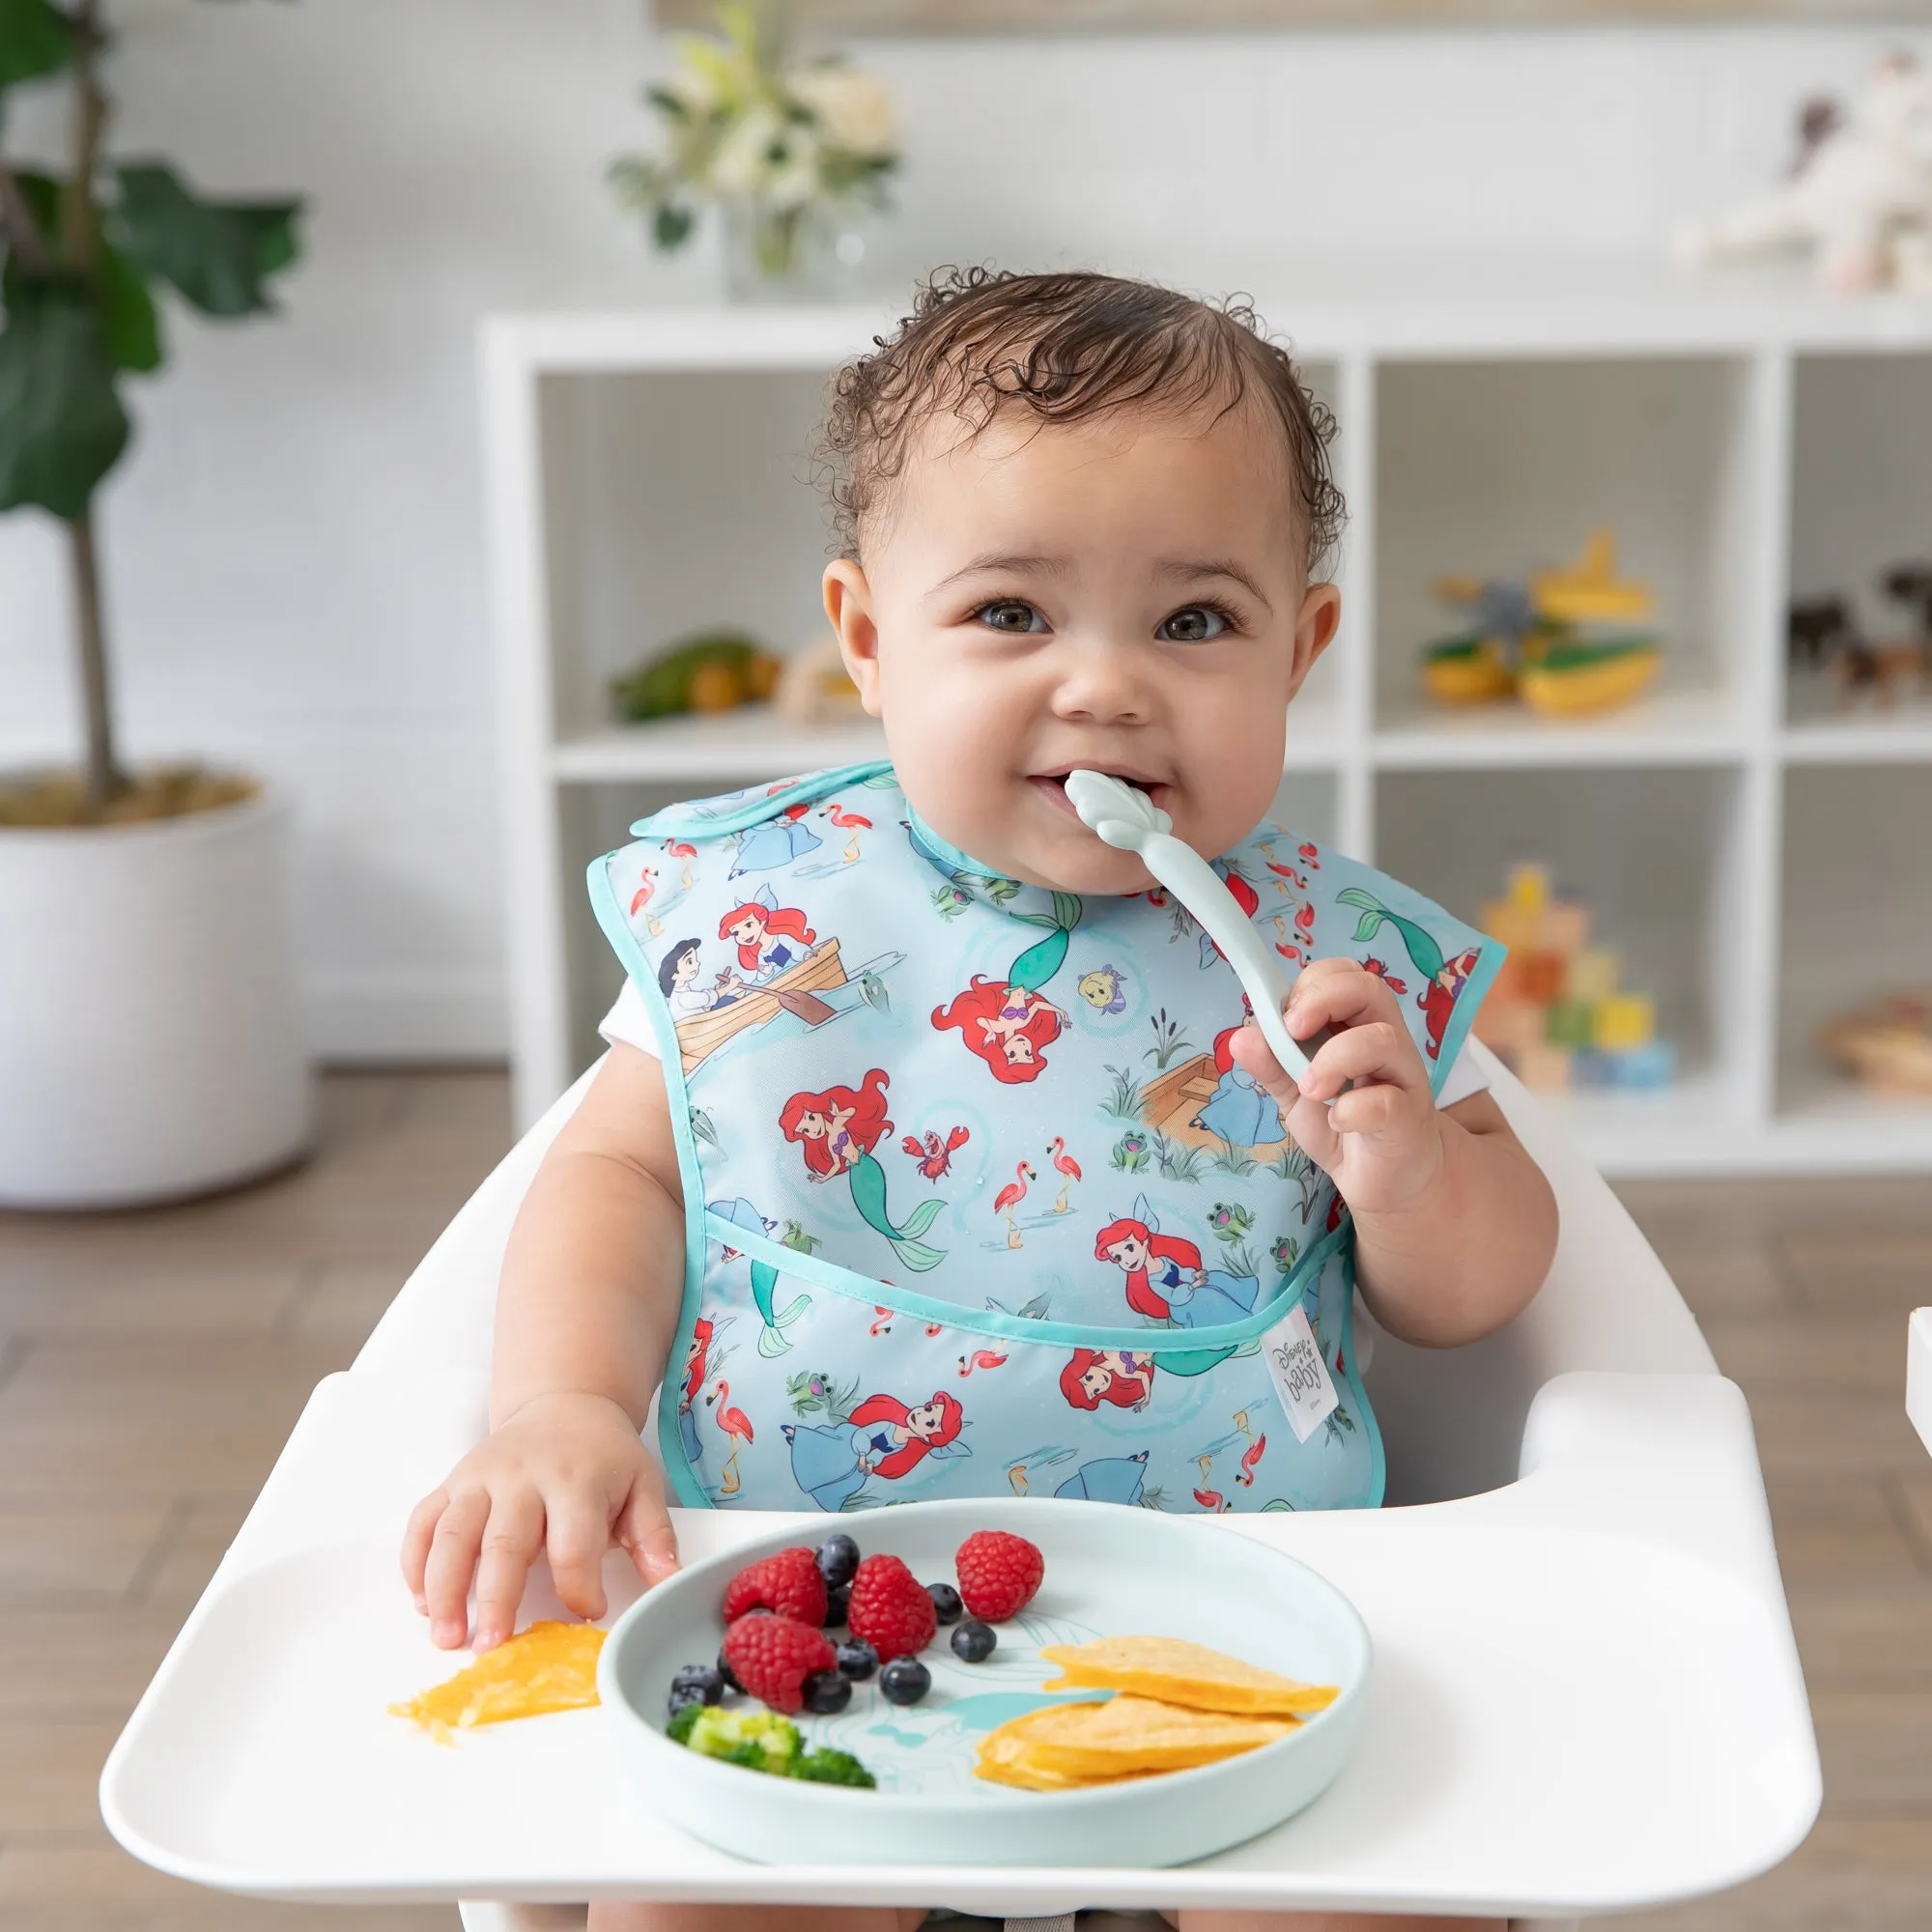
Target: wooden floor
{"x":152,"y":1364}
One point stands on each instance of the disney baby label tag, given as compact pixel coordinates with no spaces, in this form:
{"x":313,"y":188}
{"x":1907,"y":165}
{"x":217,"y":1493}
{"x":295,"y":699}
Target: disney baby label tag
{"x":1299,"y":1375}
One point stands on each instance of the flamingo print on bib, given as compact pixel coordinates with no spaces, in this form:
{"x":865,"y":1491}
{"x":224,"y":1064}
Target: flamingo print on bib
{"x":977,"y":1201}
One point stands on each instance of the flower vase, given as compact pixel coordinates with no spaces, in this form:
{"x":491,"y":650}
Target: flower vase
{"x":811,"y":254}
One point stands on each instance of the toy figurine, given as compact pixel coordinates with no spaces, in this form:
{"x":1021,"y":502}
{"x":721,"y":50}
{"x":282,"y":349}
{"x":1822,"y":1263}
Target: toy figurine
{"x":712,"y":670}
{"x":1562,"y":640}
{"x":1889,"y":1046}
{"x":1822,"y":634}
{"x":813,"y":689}
{"x":1861,"y":196}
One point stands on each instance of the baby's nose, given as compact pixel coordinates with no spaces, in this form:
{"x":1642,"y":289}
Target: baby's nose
{"x":1104,"y":684}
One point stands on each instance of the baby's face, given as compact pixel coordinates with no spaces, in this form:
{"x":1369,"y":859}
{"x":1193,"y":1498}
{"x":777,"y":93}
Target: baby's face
{"x":1125,"y":595}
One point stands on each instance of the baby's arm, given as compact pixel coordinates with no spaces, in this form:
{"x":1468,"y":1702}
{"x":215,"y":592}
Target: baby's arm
{"x":585,"y":1313}
{"x":1455,"y":1225}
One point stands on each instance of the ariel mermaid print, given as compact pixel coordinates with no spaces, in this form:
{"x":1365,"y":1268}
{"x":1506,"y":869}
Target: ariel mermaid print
{"x":979,"y":1312}
{"x":836,"y":1130}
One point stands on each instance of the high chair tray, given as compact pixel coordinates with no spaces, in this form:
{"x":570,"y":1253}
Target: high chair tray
{"x":1587,"y":1697}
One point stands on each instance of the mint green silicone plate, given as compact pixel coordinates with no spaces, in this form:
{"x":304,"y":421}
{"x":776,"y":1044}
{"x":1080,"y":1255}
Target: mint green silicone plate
{"x":1110,"y":1571}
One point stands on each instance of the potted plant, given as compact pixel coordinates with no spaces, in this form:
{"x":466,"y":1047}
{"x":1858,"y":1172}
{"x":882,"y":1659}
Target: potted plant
{"x":149,"y":1044}
{"x":788,"y":150}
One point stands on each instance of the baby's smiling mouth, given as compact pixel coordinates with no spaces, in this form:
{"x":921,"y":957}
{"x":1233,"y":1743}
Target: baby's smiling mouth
{"x":1052,"y":786}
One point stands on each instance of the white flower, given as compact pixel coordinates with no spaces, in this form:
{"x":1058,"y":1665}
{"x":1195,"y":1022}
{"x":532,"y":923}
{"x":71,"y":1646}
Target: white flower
{"x":796,"y":180}
{"x":854,"y":110}
{"x":694,"y":88}
{"x":742,"y":163}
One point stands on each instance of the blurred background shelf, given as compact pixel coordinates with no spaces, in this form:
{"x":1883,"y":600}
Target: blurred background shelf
{"x":743,"y":745}
{"x":1901,"y":736}
{"x":648,"y":474}
{"x":1669,"y":726}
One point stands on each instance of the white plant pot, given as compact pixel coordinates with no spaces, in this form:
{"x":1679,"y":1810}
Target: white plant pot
{"x":150,"y":1040}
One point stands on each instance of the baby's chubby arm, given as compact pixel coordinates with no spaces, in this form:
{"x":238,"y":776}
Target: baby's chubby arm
{"x":585,"y":1313}
{"x":1455,"y":1225}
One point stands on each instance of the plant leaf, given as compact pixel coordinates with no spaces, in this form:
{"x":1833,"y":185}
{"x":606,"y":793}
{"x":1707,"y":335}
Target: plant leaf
{"x":132,"y":323}
{"x":62,"y":426}
{"x":217,"y":253}
{"x":35,"y":38}
{"x":670,"y":225}
{"x":127,"y":309}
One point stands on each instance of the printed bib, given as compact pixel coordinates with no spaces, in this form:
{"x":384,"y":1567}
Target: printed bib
{"x":977,"y":1201}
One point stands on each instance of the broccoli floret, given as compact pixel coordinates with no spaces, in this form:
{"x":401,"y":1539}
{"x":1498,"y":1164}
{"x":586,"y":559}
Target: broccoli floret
{"x":678,"y":1730}
{"x":758,"y":1740}
{"x":835,"y":1767}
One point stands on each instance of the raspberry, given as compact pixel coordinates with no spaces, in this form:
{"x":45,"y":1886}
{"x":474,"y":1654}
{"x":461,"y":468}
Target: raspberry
{"x":998,"y":1574}
{"x":772,"y":1657}
{"x":787,"y":1584}
{"x":890,"y":1608}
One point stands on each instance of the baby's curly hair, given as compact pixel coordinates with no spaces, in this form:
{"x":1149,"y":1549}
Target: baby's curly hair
{"x":1067,"y":347}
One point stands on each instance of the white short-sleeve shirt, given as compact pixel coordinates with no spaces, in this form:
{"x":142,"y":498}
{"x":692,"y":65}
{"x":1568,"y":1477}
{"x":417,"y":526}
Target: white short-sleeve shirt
{"x":630,"y":1022}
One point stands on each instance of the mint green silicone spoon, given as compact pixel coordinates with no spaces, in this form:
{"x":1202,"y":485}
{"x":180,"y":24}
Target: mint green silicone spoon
{"x":1130,"y":821}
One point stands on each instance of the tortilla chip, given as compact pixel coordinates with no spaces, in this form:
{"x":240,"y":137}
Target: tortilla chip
{"x":550,"y":1666}
{"x":1173,"y":1672}
{"x":1128,"y":1734}
{"x":1005,"y":1760}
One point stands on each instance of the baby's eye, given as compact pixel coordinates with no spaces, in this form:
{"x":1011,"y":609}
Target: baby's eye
{"x":1008,"y":614}
{"x":1197,"y":624}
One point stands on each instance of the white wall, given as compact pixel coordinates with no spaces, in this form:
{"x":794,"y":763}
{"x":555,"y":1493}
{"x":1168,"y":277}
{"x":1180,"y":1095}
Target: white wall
{"x":295,"y":552}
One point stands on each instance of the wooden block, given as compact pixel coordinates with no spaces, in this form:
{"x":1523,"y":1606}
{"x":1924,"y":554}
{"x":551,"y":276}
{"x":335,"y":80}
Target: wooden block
{"x":1570,"y":1023}
{"x":1528,"y":886}
{"x":1592,"y":974}
{"x":1563,"y":926}
{"x":1508,"y":982}
{"x":1628,"y":1020}
{"x":1539,"y":978}
{"x":1543,"y":1068}
{"x":1508,"y":1026}
{"x":1513,"y":925}
{"x":1644,"y":1069}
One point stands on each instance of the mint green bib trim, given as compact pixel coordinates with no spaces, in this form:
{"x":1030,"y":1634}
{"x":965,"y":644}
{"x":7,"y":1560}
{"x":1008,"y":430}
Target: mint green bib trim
{"x":685,"y":1486}
{"x":1021,"y":1329}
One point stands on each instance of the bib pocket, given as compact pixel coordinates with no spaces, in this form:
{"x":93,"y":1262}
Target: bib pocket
{"x":802,"y":1387}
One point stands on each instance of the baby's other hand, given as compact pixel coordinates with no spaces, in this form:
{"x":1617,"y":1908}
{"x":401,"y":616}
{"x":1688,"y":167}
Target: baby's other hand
{"x":1382,"y":1142}
{"x":565,"y":1474}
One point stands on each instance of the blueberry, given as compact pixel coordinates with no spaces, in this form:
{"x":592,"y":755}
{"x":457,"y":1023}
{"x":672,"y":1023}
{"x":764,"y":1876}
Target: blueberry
{"x":946,"y":1601}
{"x":726,"y":1676}
{"x":682,"y":1695}
{"x":703,"y":1681}
{"x":827,"y":1691}
{"x":857,"y":1658}
{"x":838,"y":1605}
{"x":973,"y":1642}
{"x":837,"y":1558}
{"x":905,"y":1680}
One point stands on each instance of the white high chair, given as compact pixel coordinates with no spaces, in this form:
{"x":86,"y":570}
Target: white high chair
{"x":1587,"y":1696}
{"x":1453,"y":1422}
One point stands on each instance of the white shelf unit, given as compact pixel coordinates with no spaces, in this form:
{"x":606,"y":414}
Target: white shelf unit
{"x":644,"y":476}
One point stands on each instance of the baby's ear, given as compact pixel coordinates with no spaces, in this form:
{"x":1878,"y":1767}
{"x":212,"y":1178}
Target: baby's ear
{"x":1315,"y":628}
{"x":848,"y":604}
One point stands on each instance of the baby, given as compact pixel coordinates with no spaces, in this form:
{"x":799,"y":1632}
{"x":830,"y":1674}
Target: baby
{"x":1081,"y":524}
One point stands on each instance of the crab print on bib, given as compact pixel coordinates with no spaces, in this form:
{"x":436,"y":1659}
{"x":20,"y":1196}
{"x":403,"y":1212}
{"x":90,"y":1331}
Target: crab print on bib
{"x":977,"y":1200}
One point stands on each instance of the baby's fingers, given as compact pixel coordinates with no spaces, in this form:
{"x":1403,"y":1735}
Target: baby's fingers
{"x":644,"y":1529}
{"x":579,"y":1533}
{"x":510,"y":1544}
{"x":416,"y":1535}
{"x":1381,"y":1052}
{"x":1337,"y":993}
{"x":452,"y":1562}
